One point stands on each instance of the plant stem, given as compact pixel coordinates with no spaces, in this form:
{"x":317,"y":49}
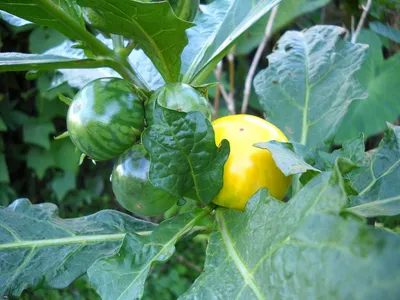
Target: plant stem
{"x":118,"y":42}
{"x":218,"y":74}
{"x":256,"y":60}
{"x":119,"y":64}
{"x":362,"y":20}
{"x":231,"y":60}
{"x":91,"y":41}
{"x":128,"y":49}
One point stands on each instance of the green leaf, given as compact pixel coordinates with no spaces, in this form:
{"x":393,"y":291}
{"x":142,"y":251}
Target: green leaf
{"x":14,"y":20}
{"x":78,"y":78}
{"x":6,"y":194}
{"x":310,"y":79}
{"x":304,"y":249}
{"x":3,"y":126}
{"x":146,"y":69}
{"x":378,"y":183}
{"x":353,"y":149}
{"x":382,"y":81}
{"x":40,"y":249}
{"x":286,"y":159}
{"x":219,"y":24}
{"x":63,"y":183}
{"x":386,"y":31}
{"x":37,"y":132}
{"x":65,"y":156}
{"x":287,"y":12}
{"x":11,"y":61}
{"x":42,"y":39}
{"x":184,"y":157}
{"x":4,"y":176}
{"x":162,"y":41}
{"x":41,"y":12}
{"x":39,"y":160}
{"x":123,"y":275}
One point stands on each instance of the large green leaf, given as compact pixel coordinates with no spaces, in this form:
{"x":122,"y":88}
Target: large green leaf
{"x":4,"y":176}
{"x":294,"y":158}
{"x":386,"y":31}
{"x":381,"y":78}
{"x":11,"y":61}
{"x":285,"y":157}
{"x":78,"y":77}
{"x":61,"y":184}
{"x":304,"y":249}
{"x":37,"y":248}
{"x":146,"y":68}
{"x":219,"y":24}
{"x":378,"y":184}
{"x":37,"y":132}
{"x":123,"y":275}
{"x":158,"y":32}
{"x":39,"y":160}
{"x":38,"y":12}
{"x":287,"y":12}
{"x":3,"y":126}
{"x":15,"y":21}
{"x":309,"y":83}
{"x":184,"y":158}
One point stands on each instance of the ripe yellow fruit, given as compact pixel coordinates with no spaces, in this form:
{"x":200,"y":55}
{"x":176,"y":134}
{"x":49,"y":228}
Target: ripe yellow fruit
{"x":248,"y":168}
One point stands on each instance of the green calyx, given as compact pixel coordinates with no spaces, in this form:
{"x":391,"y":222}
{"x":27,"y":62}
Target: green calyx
{"x":179,"y":97}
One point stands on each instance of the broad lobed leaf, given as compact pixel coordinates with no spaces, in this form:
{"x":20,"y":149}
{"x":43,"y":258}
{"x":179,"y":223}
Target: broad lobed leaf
{"x":219,"y":24}
{"x":288,"y":11}
{"x":380,"y":78}
{"x":39,"y":249}
{"x":310,"y":78}
{"x":386,"y":31}
{"x":184,"y":158}
{"x":162,"y":37}
{"x":304,"y":249}
{"x":123,"y":275}
{"x":378,"y":182}
{"x":11,"y":61}
{"x":38,"y":12}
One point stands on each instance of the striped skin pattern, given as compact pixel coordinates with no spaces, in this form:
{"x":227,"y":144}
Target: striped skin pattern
{"x":177,"y":96}
{"x":132,"y":187}
{"x":105,"y":118}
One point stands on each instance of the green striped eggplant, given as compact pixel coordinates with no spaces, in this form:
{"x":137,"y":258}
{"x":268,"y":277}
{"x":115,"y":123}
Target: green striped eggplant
{"x":105,"y":118}
{"x":132,"y":187}
{"x":177,"y":96}
{"x":185,"y":9}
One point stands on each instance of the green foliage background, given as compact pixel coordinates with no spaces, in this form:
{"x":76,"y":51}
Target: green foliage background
{"x":36,"y":166}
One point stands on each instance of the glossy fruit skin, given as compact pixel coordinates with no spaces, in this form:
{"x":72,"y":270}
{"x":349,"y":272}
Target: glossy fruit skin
{"x":177,"y":96}
{"x":132,"y":187}
{"x":105,"y":118}
{"x":248,"y":168}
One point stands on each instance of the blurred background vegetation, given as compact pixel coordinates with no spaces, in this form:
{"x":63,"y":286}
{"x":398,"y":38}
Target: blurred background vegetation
{"x":36,"y":166}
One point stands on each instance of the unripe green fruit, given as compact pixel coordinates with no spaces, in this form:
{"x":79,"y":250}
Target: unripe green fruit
{"x":105,"y":118}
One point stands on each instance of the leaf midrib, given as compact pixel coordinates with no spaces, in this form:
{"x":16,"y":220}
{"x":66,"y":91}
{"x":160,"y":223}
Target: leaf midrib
{"x":149,"y":38}
{"x":83,"y":239}
{"x":244,"y":272}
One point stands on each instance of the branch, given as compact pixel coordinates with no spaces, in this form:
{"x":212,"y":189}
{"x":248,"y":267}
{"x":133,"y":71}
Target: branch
{"x":231,"y":60}
{"x":229,"y":104}
{"x":218,"y":74}
{"x":90,"y":40}
{"x":256,"y":60}
{"x":187,"y":263}
{"x":362,"y":20}
{"x":121,"y":66}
